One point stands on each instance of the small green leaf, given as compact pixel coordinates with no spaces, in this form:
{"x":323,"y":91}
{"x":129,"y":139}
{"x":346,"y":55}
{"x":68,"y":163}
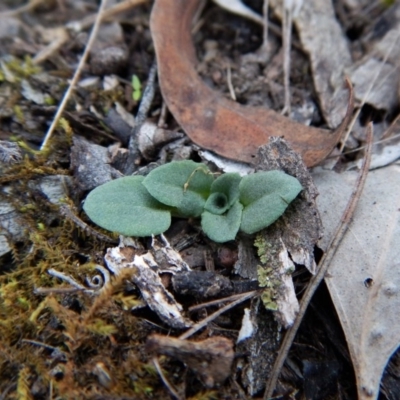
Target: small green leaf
{"x":124,"y":206}
{"x":217,"y":203}
{"x":137,"y":88}
{"x":265,"y":196}
{"x":224,"y":193}
{"x":222,"y":228}
{"x":184,"y":185}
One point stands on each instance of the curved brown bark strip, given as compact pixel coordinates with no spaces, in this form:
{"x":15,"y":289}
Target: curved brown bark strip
{"x":210,"y":120}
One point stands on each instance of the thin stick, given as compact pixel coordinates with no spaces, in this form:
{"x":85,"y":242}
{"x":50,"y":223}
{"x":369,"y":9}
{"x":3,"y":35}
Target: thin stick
{"x":46,"y":346}
{"x":215,"y":302}
{"x":287,"y":38}
{"x":163,"y":115}
{"x":325,"y":262}
{"x":144,"y":107}
{"x":387,"y":135}
{"x":50,"y":389}
{"x":229,"y":81}
{"x":164,"y":379}
{"x":205,"y":321}
{"x":367,"y":93}
{"x":265,"y":28}
{"x":388,"y":132}
{"x":77,"y":74}
{"x":26,"y":7}
{"x":61,"y":290}
{"x":66,"y":278}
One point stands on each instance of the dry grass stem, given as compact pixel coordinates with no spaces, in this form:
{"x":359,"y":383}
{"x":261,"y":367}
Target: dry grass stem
{"x":367,"y":93}
{"x":171,"y":389}
{"x":287,"y":38}
{"x":205,"y":321}
{"x":77,"y":74}
{"x":229,"y":81}
{"x":215,"y":302}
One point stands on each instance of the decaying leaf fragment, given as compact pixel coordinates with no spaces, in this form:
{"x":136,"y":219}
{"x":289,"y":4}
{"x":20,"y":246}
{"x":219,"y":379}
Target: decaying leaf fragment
{"x":211,"y":358}
{"x":211,"y":121}
{"x":364,"y":276}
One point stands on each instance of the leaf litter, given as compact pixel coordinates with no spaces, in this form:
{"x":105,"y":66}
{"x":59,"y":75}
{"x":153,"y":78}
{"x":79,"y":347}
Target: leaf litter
{"x":238,"y":131}
{"x":364,"y":276}
{"x":58,"y":246}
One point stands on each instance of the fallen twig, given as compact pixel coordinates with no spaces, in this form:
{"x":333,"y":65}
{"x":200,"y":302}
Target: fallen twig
{"x":205,"y":321}
{"x":144,"y":107}
{"x":215,"y":302}
{"x":367,"y":93}
{"x":171,"y":389}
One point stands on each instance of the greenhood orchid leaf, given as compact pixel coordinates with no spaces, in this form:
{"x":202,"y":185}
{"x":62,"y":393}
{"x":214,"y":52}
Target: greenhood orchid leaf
{"x":125,"y":206}
{"x":138,"y":206}
{"x":265,"y":197}
{"x":184,"y":185}
{"x":224,"y":192}
{"x":222,"y":228}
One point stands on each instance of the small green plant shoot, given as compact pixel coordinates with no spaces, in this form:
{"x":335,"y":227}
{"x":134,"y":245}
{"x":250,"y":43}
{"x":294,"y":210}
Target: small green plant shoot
{"x":136,"y":88}
{"x":143,"y":206}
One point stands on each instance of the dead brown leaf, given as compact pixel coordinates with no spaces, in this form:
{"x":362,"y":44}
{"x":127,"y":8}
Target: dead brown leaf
{"x":364,"y":275}
{"x":213,"y":122}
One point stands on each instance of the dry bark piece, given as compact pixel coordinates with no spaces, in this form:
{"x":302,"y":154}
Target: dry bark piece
{"x":296,"y":232}
{"x":211,"y":121}
{"x":300,"y":226}
{"x":145,"y":276}
{"x":246,"y":264}
{"x":257,"y":352}
{"x":55,"y":187}
{"x":116,"y":122}
{"x":167,"y":258}
{"x":202,"y":284}
{"x":211,"y":358}
{"x":291,"y":239}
